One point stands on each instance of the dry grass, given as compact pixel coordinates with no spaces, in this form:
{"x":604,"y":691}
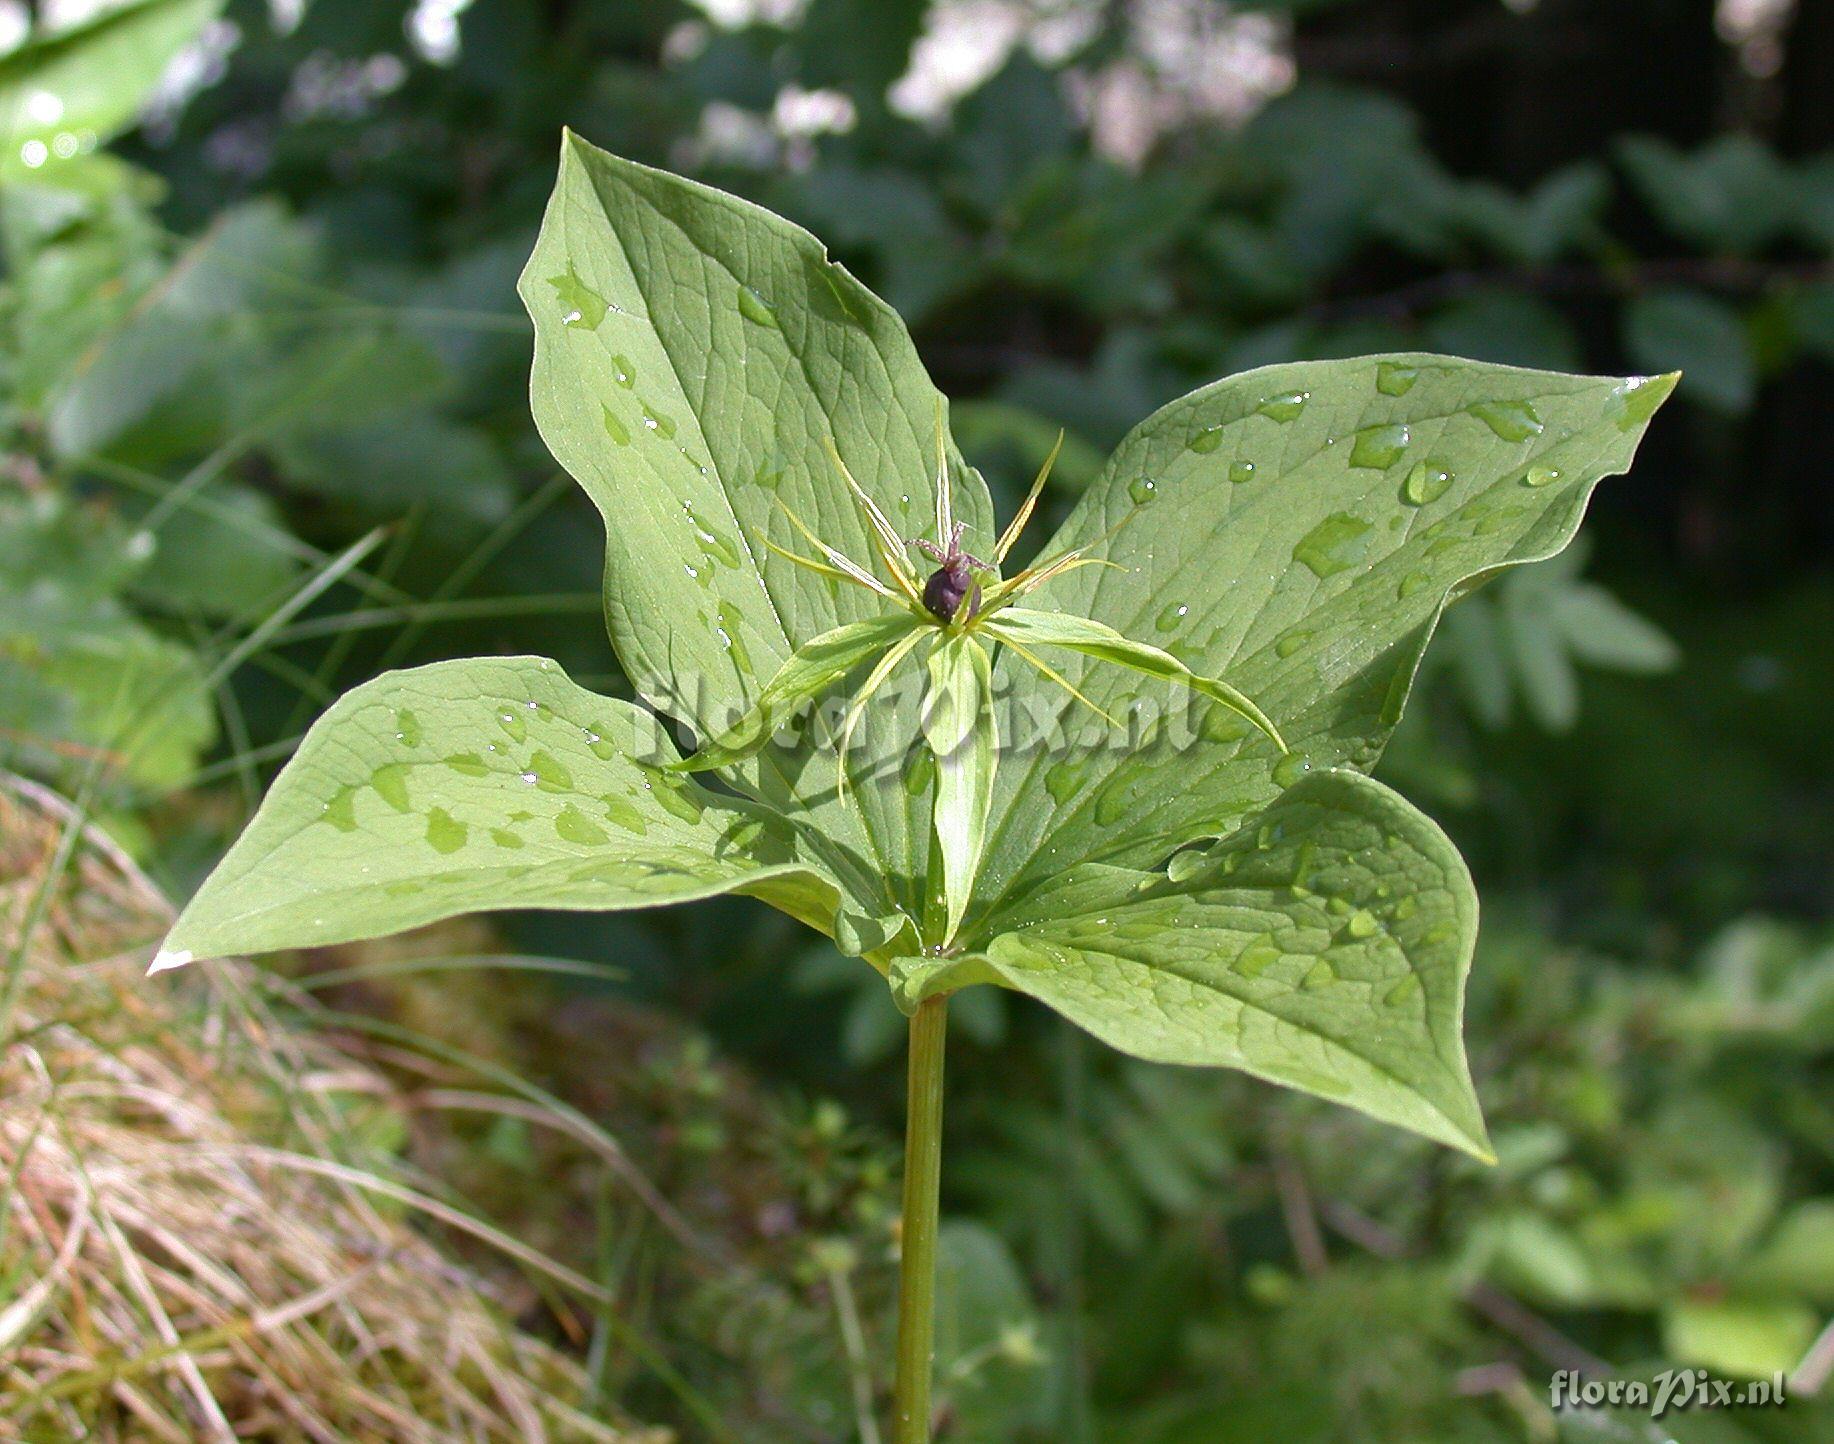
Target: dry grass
{"x":202,"y":1236}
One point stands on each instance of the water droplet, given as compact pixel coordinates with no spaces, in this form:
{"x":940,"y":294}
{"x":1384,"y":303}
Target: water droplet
{"x":622,"y":371}
{"x":548,"y":774}
{"x":753,"y":307}
{"x":1111,"y":804}
{"x":1290,"y":768}
{"x":445,"y":833}
{"x":1172,"y":617}
{"x":1413,"y":582}
{"x":574,"y":826}
{"x":1379,"y":447}
{"x":657,"y":421}
{"x":1223,"y":724}
{"x":511,"y":722}
{"x":1539,"y":476}
{"x":670,"y":792}
{"x":1320,"y":975}
{"x":614,"y":428}
{"x":1181,"y":868}
{"x":391,"y":784}
{"x":1405,"y":908}
{"x":1362,"y":924}
{"x":1427,"y":482}
{"x":624,"y":814}
{"x":1404,"y":991}
{"x":466,"y":764}
{"x":503,"y":837}
{"x":766,"y":477}
{"x":1143,"y":490}
{"x":1334,"y":545}
{"x":341,"y":809}
{"x":1291,"y":643}
{"x":712,"y":543}
{"x":1285,"y":407}
{"x":1207,"y":440}
{"x":1258,"y":957}
{"x":580,"y":305}
{"x":1240,"y":471}
{"x":1510,"y":420}
{"x":728,"y":629}
{"x":1062,"y":781}
{"x":1633,"y":403}
{"x":919,"y":771}
{"x":1395,"y":379}
{"x":602,"y":749}
{"x":407,"y":729}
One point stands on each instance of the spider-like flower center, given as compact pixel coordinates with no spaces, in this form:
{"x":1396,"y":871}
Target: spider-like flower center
{"x":948,"y":588}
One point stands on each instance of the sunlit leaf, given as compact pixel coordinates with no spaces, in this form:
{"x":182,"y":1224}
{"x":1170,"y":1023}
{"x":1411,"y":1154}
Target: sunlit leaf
{"x":1324,"y":947}
{"x":1296,"y":530}
{"x":472,"y":785}
{"x":694,"y":353}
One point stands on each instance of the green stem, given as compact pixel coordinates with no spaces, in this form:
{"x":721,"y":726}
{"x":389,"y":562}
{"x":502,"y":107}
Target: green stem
{"x":917,"y":1261}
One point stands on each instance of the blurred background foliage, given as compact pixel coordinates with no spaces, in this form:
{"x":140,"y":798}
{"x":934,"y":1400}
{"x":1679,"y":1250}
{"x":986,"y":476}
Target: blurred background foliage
{"x":264,"y":432}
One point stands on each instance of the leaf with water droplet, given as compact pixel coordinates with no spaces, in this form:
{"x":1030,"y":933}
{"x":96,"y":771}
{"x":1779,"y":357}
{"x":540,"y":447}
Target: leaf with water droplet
{"x":1426,"y":482}
{"x":1186,"y":970}
{"x":1338,"y":631}
{"x":1285,"y":407}
{"x":1395,"y":378}
{"x":417,"y":833}
{"x":1511,"y":420}
{"x":753,"y":308}
{"x":1334,"y":545}
{"x":445,"y":833}
{"x":581,"y":307}
{"x":700,"y":278}
{"x":1379,"y":447}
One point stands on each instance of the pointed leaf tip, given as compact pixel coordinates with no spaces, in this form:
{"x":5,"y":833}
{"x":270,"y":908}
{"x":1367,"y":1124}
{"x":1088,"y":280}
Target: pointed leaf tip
{"x":167,"y":959}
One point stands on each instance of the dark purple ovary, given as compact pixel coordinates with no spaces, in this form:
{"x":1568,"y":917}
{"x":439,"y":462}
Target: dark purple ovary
{"x":948,"y":585}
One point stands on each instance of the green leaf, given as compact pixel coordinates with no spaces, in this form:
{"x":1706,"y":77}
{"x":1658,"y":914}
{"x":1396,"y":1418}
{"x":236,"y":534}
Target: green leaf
{"x":811,"y":670}
{"x":693,"y":352}
{"x":64,"y":92}
{"x":1324,"y":947}
{"x":1297,"y":530}
{"x":471,"y":785}
{"x":960,"y":731}
{"x":1028,"y":628}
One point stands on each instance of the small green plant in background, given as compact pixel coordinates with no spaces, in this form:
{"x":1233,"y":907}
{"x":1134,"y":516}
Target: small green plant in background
{"x":1141,"y":798}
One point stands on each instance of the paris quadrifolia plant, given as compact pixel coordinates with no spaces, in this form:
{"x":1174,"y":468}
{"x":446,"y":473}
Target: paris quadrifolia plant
{"x":1130,"y":779}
